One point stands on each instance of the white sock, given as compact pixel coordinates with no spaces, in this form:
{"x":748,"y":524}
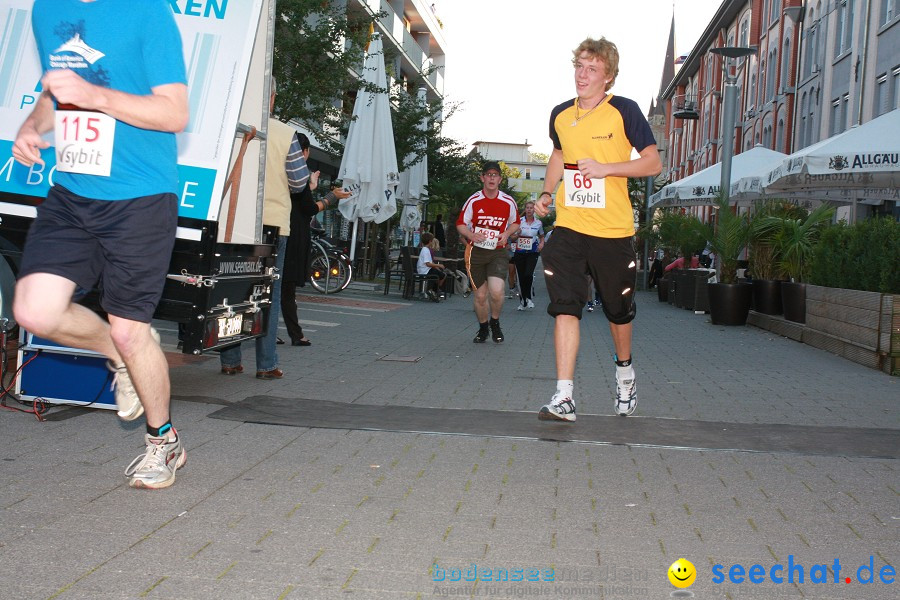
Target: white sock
{"x":624,"y":373}
{"x":566,"y":386}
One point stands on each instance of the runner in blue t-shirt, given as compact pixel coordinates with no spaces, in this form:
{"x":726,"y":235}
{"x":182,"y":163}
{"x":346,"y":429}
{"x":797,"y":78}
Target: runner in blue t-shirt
{"x":529,"y":244}
{"x":114,"y":94}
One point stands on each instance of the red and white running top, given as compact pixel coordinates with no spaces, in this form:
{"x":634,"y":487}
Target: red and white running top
{"x":489,"y":214}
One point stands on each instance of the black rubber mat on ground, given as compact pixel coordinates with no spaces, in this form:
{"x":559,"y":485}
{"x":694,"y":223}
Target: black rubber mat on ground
{"x":595,"y":429}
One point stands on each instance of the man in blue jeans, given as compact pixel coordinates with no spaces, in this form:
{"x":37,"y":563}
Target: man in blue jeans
{"x":286,"y":172}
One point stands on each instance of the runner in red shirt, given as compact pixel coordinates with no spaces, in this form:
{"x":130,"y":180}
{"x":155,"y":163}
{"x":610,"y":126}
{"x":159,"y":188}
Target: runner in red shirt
{"x":486,"y":221}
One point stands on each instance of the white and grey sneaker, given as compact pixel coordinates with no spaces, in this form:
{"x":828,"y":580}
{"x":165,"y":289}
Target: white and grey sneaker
{"x":626,"y":396}
{"x":529,"y":303}
{"x":560,"y":408}
{"x":155,"y":468}
{"x":127,"y":402}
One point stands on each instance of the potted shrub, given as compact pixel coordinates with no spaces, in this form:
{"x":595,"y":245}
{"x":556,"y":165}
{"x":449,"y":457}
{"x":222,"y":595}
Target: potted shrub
{"x":729,"y":301}
{"x":691,"y":235}
{"x":765,"y":263}
{"x":795,"y":243}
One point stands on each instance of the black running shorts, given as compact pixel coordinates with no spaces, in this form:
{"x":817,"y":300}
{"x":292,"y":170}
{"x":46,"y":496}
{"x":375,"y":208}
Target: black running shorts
{"x":487,"y":263}
{"x":121,"y":247}
{"x":569,"y":258}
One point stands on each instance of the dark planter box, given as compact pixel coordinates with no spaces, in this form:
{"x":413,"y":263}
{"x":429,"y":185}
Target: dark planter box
{"x":729,"y":303}
{"x":793,"y":301}
{"x":767,"y":296}
{"x":662,"y":289}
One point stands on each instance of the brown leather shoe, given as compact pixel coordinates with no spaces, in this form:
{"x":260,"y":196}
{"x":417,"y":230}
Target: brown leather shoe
{"x":273,"y":374}
{"x":232,"y":370}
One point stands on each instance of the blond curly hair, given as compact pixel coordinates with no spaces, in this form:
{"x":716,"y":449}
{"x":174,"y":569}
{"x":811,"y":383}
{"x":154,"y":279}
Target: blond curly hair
{"x":604,"y":50}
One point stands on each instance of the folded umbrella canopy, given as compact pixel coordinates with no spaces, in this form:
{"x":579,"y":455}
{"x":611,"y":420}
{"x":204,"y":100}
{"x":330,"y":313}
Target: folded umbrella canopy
{"x":413,"y":183}
{"x":702,"y":188}
{"x":369,"y":165}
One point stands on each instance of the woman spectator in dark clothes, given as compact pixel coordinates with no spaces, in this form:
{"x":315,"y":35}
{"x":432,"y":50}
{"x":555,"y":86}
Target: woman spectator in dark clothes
{"x":297,"y":254}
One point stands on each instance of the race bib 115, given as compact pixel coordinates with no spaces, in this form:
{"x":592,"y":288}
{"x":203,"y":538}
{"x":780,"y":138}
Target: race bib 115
{"x":84,"y":141}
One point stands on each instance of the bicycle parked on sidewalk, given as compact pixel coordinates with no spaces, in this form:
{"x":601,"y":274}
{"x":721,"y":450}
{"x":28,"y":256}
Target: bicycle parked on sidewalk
{"x":330,"y":269}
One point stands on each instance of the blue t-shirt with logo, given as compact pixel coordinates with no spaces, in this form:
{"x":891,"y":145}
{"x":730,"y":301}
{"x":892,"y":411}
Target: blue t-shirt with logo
{"x":129,"y":46}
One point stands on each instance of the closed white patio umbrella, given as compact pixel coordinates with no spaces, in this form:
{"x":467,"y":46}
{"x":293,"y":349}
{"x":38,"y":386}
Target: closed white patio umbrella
{"x":413,"y":184}
{"x":369,"y":165}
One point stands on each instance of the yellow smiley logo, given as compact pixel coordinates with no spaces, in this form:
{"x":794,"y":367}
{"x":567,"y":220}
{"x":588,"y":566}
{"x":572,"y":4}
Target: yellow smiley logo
{"x":682,"y":573}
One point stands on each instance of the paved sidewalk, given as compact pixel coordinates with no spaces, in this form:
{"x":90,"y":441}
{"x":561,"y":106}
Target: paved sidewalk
{"x":264,"y":511}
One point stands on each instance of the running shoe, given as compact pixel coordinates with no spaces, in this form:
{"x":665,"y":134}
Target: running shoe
{"x":560,"y":408}
{"x":155,"y":468}
{"x":127,"y":402}
{"x":496,"y":332}
{"x":482,"y":335}
{"x":626,"y":396}
{"x":520,"y":307}
{"x":590,"y":306}
{"x":529,"y":303}
{"x":513,"y":292}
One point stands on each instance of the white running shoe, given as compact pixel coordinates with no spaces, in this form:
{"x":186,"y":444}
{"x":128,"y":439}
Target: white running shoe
{"x":155,"y":468}
{"x":560,"y":408}
{"x":127,"y":402}
{"x":520,"y":307}
{"x":626,"y":396}
{"x":529,"y":303}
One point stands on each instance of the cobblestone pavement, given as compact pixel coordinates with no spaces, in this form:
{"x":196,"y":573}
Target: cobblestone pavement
{"x":272,"y":512}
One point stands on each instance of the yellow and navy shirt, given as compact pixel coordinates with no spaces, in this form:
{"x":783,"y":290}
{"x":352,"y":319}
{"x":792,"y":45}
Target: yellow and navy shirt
{"x":606,"y":135}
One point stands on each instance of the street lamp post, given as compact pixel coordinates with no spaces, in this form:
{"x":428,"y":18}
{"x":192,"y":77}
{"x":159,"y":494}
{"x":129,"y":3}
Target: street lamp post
{"x":729,"y":54}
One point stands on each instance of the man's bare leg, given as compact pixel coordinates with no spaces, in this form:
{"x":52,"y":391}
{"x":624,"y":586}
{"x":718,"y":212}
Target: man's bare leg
{"x":147,"y":367}
{"x":495,"y":287}
{"x":621,"y":335}
{"x":566,"y":336}
{"x":43,"y":306}
{"x":480,"y":300}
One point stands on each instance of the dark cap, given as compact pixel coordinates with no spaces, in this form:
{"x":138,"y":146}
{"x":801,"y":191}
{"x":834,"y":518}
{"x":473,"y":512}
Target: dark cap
{"x":490,"y":165}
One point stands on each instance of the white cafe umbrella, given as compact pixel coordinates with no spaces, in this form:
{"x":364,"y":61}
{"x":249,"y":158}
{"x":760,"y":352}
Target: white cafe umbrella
{"x":863,"y":162}
{"x":702,"y":188}
{"x":369,"y":165}
{"x":413,"y":183}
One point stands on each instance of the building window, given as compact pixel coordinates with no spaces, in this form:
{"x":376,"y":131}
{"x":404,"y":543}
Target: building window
{"x":786,"y":63}
{"x":763,"y":78}
{"x":844,"y":29}
{"x":527,"y":173}
{"x":835,"y":116}
{"x":804,"y":109}
{"x":779,"y":135}
{"x":895,"y":84}
{"x":845,"y":112}
{"x":888,"y":11}
{"x":744,"y":37}
{"x":770,"y":74}
{"x":773,"y":10}
{"x":808,"y":59}
{"x":751,"y":93}
{"x":882,"y":98}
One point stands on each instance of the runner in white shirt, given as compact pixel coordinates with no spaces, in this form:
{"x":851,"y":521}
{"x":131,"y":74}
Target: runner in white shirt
{"x":528,"y":245}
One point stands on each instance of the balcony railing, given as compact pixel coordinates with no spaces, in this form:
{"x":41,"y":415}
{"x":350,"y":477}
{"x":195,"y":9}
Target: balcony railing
{"x":684,"y":106}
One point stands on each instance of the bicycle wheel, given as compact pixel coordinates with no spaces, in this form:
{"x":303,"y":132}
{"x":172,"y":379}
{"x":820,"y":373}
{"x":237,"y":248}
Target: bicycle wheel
{"x":343,"y":269}
{"x":328,"y":274}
